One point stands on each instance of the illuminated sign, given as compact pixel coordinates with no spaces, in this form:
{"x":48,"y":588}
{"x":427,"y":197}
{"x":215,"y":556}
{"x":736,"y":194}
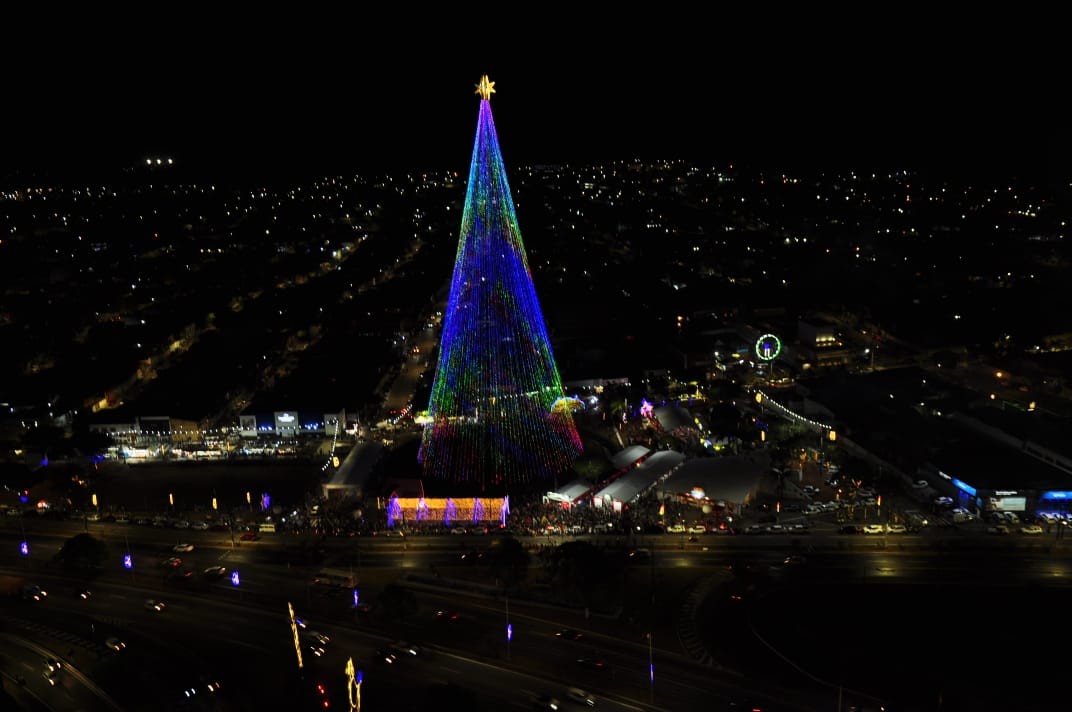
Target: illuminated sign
{"x":697,"y":493}
{"x":1057,"y":495}
{"x":285,"y":418}
{"x":963,"y":486}
{"x":1005,"y":493}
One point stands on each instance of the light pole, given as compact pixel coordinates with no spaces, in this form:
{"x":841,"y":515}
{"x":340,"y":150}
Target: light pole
{"x":509,"y":628}
{"x":353,"y":686}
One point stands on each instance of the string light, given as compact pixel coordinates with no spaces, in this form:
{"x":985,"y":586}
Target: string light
{"x":491,"y":415}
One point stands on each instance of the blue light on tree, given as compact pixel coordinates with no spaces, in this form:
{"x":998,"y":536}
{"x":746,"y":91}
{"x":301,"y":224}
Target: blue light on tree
{"x":24,"y":548}
{"x":128,"y":561}
{"x":235,"y":580}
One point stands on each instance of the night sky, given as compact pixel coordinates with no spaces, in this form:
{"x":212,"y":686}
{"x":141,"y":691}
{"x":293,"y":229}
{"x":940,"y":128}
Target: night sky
{"x":274,"y":102}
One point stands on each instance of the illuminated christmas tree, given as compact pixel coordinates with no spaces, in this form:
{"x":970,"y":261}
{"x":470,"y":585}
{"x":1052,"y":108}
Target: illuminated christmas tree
{"x":497,"y":415}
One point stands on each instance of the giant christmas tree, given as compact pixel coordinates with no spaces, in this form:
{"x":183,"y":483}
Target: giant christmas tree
{"x":497,"y":414}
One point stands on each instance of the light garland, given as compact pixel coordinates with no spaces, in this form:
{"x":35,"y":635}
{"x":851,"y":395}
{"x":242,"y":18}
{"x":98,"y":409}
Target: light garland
{"x":491,"y":415}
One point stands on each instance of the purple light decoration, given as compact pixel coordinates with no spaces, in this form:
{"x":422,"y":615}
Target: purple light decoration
{"x":356,"y":598}
{"x":394,"y":512}
{"x":504,"y":510}
{"x":450,"y":513}
{"x":478,"y":510}
{"x":646,"y":408}
{"x":651,"y":672}
{"x":24,"y":548}
{"x":235,"y":580}
{"x":128,"y":561}
{"x":509,"y":632}
{"x":422,"y":510}
{"x":266,"y":501}
{"x":491,"y":414}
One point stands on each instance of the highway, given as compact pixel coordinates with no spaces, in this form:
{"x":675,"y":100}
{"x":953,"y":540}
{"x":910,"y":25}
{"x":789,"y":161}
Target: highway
{"x":210,"y":624}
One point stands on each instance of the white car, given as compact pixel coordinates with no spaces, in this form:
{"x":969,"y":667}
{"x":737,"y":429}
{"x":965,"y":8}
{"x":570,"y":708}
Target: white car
{"x":921,"y":484}
{"x":697,"y":529}
{"x":1031,"y":530}
{"x":874,"y":529}
{"x":153,"y":605}
{"x":896,"y":529}
{"x":182,"y":548}
{"x":576,"y":694}
{"x":675,"y":529}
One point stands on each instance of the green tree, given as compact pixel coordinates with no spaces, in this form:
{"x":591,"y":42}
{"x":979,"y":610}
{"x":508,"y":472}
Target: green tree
{"x":584,"y":575}
{"x":83,"y":552}
{"x":509,"y":561}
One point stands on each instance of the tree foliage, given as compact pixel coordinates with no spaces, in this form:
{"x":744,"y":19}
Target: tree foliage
{"x":83,"y":552}
{"x":509,"y":561}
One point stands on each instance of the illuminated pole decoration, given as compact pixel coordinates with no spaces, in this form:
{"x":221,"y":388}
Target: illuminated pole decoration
{"x":491,"y":415}
{"x":294,"y":632}
{"x":353,"y":685}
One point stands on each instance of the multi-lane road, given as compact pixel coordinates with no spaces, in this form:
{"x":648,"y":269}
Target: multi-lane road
{"x":211,"y":627}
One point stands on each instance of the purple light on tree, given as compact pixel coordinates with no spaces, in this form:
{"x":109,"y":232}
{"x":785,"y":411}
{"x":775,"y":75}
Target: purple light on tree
{"x":478,"y":510}
{"x":422,"y":510}
{"x":450,"y":513}
{"x":394,"y":512}
{"x":266,"y":501}
{"x":505,"y":510}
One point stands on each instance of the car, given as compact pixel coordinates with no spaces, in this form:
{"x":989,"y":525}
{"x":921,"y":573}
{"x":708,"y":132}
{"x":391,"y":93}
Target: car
{"x":182,"y":548}
{"x":250,"y":536}
{"x":921,"y":484}
{"x":402,"y":646}
{"x":199,"y":526}
{"x":215,"y":572}
{"x":52,"y":664}
{"x":896,"y":529}
{"x":386,"y":655}
{"x":997,"y":529}
{"x":50,"y":676}
{"x":317,"y":650}
{"x":569,"y":634}
{"x":546,"y":702}
{"x":458,"y":530}
{"x":675,"y":529}
{"x":1031,"y":530}
{"x":851,"y":529}
{"x":154,"y":605}
{"x":82,"y":593}
{"x":592,"y":663}
{"x":115,"y":644}
{"x":794,"y":560}
{"x":584,"y":697}
{"x":448,"y":616}
{"x":697,"y":529}
{"x":33,"y":592}
{"x":318,"y":637}
{"x":173,"y":563}
{"x":181,"y":524}
{"x":874,"y":529}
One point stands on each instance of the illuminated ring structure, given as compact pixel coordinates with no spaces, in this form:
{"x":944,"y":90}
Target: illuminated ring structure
{"x":768,"y":347}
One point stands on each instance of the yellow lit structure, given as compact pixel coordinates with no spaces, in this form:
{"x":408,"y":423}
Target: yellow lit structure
{"x":353,"y":686}
{"x":485,"y":88}
{"x":294,"y":632}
